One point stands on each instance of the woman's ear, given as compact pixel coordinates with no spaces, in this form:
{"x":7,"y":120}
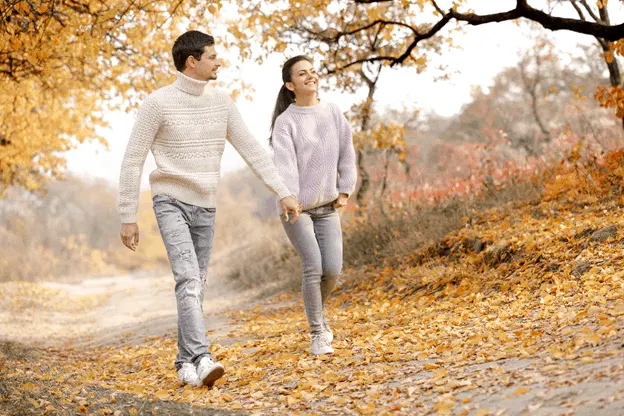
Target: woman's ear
{"x":290,"y":86}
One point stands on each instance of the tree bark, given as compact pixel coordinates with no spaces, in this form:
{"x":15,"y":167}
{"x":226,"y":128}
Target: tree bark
{"x":362,"y":193}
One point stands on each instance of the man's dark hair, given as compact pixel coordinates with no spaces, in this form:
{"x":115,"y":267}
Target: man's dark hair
{"x":188,"y":44}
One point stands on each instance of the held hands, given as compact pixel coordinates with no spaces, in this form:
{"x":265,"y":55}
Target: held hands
{"x":341,"y":201}
{"x":130,"y":235}
{"x":289,"y":205}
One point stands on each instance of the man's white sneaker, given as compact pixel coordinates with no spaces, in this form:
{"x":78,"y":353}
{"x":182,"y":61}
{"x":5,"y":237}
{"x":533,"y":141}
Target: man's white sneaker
{"x":320,"y":344}
{"x":209,"y":371}
{"x":187,"y":374}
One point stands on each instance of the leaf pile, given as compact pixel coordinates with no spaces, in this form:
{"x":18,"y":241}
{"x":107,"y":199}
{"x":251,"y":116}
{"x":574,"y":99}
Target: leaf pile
{"x":545,"y":283}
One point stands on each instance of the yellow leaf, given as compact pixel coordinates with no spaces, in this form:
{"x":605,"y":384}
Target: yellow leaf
{"x":441,"y":373}
{"x":35,"y":403}
{"x":444,"y":407}
{"x":162,"y":394}
{"x":28,"y":386}
{"x":521,"y":390}
{"x":236,"y":405}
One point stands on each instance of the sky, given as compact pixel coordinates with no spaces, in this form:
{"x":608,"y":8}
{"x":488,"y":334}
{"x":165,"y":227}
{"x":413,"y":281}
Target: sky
{"x":485,"y":51}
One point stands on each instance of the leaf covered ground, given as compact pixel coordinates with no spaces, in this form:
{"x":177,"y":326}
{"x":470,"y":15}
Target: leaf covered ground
{"x":519,"y":312}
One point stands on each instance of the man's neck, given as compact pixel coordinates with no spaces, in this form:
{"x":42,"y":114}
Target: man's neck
{"x":190,"y":85}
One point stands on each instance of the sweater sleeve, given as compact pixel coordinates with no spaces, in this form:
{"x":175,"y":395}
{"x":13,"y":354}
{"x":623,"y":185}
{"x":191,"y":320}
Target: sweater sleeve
{"x":347,"y":169}
{"x":285,"y":156}
{"x":253,"y":153}
{"x":143,"y":133}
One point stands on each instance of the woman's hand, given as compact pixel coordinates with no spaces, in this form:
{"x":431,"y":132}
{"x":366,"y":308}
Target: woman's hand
{"x":341,"y":201}
{"x":290,"y":205}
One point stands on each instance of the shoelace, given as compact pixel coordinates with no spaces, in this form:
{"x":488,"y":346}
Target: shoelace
{"x":187,"y":370}
{"x":322,"y":341}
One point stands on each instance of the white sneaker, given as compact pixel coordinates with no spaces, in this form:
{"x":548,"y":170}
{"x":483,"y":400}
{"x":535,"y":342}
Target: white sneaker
{"x":320,"y":344}
{"x":188,"y":375}
{"x":328,"y":331}
{"x":209,"y":371}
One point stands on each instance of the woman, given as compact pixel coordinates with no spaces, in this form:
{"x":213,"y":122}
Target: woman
{"x":313,"y":152}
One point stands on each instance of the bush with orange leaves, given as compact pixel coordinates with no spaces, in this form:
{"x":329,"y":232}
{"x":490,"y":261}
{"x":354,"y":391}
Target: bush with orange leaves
{"x":586,"y":177}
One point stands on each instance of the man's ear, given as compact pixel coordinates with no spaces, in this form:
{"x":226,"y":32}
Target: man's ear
{"x":190,"y":61}
{"x":290,"y":86}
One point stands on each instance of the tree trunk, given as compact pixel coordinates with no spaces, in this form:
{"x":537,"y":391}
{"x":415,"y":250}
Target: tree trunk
{"x":364,"y":177}
{"x":384,"y":183}
{"x":615,"y":74}
{"x":361,"y":165}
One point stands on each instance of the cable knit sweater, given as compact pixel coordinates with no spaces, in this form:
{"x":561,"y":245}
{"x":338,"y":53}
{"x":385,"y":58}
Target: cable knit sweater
{"x":313,"y":152}
{"x":185,"y":125}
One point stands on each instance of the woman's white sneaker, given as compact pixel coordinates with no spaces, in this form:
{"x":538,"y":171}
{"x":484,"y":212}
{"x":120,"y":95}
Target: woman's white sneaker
{"x":320,"y":344}
{"x":328,"y":331}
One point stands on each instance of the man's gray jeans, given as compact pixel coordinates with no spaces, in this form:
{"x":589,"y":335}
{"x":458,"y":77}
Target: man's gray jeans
{"x":188,"y":233}
{"x":317,"y":237}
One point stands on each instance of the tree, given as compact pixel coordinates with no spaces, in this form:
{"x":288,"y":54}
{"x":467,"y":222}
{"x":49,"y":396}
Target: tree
{"x":340,"y":31}
{"x":599,"y":13}
{"x":63,"y":62}
{"x":331,"y":33}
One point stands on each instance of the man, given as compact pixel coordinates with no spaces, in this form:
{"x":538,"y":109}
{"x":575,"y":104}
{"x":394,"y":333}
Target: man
{"x":185,"y":125}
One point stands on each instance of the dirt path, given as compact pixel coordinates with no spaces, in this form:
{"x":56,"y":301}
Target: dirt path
{"x":128,"y":310}
{"x":119,"y":310}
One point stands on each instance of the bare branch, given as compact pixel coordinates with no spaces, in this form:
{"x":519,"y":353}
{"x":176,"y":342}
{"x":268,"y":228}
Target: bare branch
{"x":590,"y":11}
{"x":429,"y":34}
{"x":578,"y":9}
{"x":604,"y":14}
{"x":523,"y":9}
{"x":438,"y":8}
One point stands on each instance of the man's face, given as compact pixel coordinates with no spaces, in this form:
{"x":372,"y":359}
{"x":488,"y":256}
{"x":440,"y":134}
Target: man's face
{"x":207,"y":66}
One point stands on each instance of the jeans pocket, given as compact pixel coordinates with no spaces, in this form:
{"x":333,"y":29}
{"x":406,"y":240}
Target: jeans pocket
{"x":160,"y":198}
{"x":329,"y":208}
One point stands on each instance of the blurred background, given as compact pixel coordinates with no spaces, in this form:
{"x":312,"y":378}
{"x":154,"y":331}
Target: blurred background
{"x":469,"y":110}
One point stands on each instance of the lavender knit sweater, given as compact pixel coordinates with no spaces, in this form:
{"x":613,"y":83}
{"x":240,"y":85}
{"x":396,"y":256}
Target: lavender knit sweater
{"x":313,"y":153}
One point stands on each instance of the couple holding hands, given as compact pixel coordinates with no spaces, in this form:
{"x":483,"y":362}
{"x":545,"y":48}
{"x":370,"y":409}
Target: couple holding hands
{"x":313,"y":172}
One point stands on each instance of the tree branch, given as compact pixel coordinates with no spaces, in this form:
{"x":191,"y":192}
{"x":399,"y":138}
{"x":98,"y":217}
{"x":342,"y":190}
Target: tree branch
{"x":578,"y":9}
{"x":420,"y":37}
{"x":590,"y":11}
{"x":554,"y":23}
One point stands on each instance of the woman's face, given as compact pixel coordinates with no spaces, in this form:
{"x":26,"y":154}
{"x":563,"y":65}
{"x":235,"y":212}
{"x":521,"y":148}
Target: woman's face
{"x":304,"y":79}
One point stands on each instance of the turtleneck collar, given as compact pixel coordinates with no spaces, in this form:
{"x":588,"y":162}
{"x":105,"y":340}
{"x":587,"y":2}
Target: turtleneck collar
{"x":189,"y":85}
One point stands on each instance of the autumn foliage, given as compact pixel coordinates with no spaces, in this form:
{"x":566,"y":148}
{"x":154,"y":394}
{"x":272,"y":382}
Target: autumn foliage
{"x":534,"y":282}
{"x":63,"y":63}
{"x":452,"y":294}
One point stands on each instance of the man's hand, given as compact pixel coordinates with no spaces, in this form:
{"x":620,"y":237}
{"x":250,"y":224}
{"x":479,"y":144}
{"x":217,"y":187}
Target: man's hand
{"x":289,"y":205}
{"x":341,"y":201}
{"x":130,"y":235}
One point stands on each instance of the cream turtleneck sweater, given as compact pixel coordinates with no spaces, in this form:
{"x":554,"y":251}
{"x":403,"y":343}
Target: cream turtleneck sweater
{"x":185,"y":126}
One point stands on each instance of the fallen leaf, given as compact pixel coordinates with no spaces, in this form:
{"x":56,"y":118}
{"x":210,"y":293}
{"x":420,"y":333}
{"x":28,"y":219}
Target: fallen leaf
{"x":521,"y":390}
